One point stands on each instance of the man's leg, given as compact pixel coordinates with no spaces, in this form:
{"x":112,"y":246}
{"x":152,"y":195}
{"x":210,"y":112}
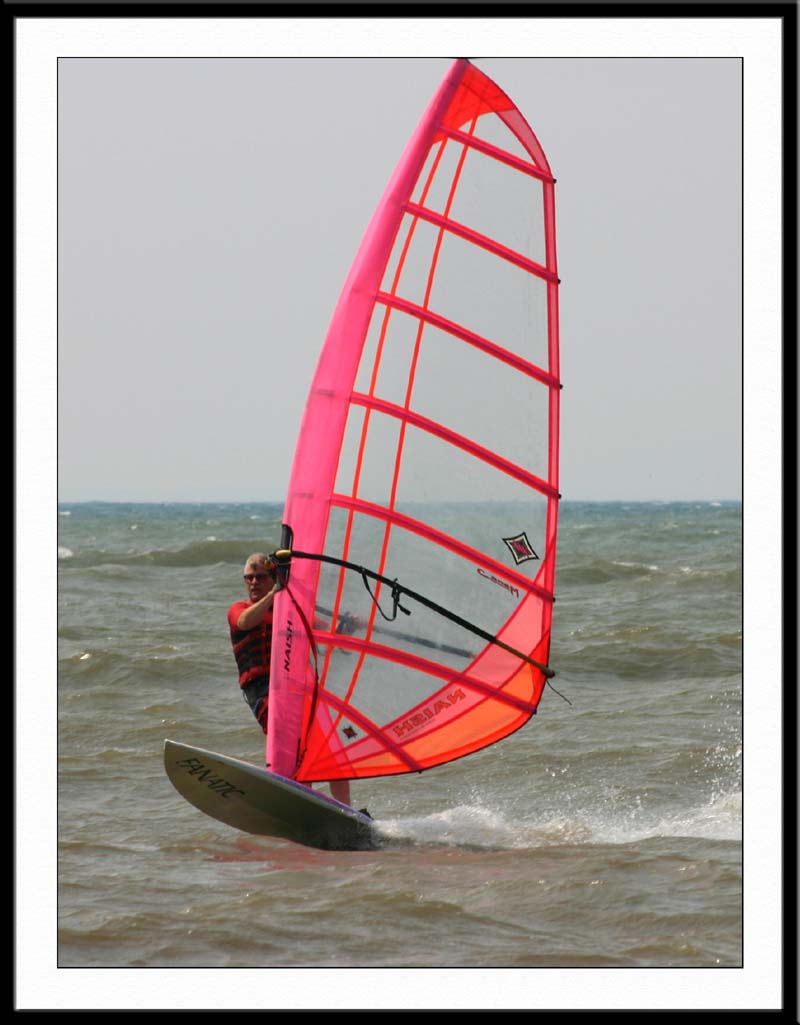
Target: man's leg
{"x":340,"y":790}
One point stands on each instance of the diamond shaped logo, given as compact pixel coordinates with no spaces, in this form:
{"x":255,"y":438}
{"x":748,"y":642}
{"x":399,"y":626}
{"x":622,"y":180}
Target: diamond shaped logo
{"x":520,"y":547}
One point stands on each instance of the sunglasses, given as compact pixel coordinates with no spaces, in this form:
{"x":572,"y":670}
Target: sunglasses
{"x":252,"y":577}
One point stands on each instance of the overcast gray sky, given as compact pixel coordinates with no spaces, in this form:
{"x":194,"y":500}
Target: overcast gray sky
{"x":209,"y":210}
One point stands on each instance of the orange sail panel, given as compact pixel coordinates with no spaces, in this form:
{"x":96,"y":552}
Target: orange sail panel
{"x":428,"y":454}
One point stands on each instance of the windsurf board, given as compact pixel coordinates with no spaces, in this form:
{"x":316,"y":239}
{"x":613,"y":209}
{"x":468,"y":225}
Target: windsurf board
{"x":258,"y":801}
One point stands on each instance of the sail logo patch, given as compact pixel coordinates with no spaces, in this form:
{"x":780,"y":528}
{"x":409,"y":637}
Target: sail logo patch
{"x":500,"y":583}
{"x":520,"y":547}
{"x":427,"y":713}
{"x":287,"y":654}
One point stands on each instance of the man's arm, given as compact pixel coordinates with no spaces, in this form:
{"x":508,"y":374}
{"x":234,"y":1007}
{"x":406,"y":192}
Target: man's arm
{"x":254,"y":613}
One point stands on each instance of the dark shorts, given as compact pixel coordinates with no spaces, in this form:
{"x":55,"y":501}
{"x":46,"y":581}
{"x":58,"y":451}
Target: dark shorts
{"x":255,"y":694}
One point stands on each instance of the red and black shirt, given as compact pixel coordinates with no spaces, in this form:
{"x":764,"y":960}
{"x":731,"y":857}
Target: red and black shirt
{"x":251,"y":648}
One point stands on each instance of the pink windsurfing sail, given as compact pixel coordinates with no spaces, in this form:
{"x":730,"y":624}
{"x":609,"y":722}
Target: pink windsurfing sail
{"x":422,"y":505}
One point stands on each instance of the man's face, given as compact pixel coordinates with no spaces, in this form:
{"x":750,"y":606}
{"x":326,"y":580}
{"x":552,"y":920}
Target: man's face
{"x":258,"y":580}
